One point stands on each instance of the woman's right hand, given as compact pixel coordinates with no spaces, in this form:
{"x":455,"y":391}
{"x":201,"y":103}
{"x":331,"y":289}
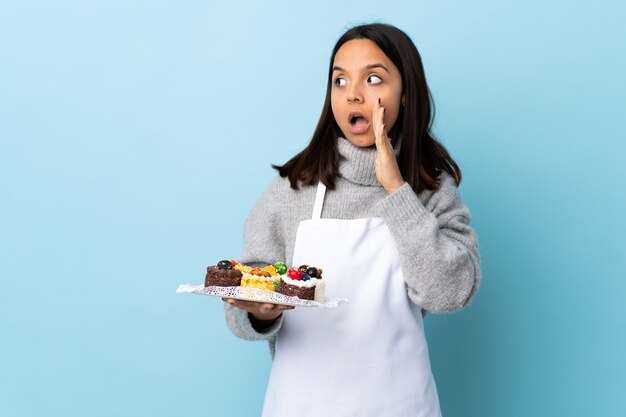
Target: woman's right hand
{"x":260,"y":311}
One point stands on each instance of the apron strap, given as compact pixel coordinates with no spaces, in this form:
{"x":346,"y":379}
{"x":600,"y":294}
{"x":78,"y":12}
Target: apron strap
{"x":319,"y":201}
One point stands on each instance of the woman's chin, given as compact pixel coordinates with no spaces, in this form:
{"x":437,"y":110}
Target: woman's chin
{"x":362,"y":141}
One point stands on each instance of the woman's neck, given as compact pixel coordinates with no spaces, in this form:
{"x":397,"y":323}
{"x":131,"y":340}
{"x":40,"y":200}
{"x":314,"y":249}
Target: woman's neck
{"x":357,"y":164}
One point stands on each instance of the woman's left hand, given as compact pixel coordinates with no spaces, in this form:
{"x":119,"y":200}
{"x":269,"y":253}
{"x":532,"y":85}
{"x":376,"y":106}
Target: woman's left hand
{"x":387,"y":170}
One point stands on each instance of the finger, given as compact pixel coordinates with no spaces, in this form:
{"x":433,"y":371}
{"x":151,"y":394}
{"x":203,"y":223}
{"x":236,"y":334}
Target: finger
{"x":266,"y":307}
{"x":376,"y":115}
{"x":236,"y":303}
{"x":381,"y":134}
{"x":375,"y":120}
{"x":244,"y":305}
{"x":254,"y":305}
{"x":381,"y":121}
{"x":378,"y":126}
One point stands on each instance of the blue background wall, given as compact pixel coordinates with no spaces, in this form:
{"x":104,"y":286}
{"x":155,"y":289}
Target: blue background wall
{"x":136,"y":136}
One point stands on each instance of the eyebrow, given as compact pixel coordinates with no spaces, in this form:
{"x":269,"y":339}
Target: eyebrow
{"x":370,"y":66}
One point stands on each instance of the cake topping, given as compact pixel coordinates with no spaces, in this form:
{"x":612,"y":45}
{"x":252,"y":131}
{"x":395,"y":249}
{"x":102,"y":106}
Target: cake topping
{"x":259,"y":272}
{"x":295,"y":273}
{"x":225,"y":265}
{"x":271,"y":269}
{"x":312,"y":272}
{"x":281,"y":268}
{"x":305,"y":277}
{"x":243,"y":268}
{"x":303,"y":268}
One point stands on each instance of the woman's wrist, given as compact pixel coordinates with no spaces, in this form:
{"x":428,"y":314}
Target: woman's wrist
{"x":394,"y":187}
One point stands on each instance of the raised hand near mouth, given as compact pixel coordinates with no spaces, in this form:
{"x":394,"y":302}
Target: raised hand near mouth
{"x":387,"y":170}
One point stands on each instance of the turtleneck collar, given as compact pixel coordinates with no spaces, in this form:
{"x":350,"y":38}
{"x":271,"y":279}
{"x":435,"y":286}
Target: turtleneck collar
{"x":357,"y":164}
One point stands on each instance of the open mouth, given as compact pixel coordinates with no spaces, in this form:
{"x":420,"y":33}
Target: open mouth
{"x":356,"y":117}
{"x":358,"y":123}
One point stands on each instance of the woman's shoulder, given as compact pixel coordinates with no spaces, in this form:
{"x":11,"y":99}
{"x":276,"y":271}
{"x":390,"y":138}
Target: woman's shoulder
{"x":279,"y":193}
{"x":282,"y":186}
{"x":278,"y":184}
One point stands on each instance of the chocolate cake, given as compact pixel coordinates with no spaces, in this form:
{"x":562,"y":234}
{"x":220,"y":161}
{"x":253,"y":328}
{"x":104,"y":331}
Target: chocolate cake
{"x":303,"y":293}
{"x":222,"y":275}
{"x":304,"y":282}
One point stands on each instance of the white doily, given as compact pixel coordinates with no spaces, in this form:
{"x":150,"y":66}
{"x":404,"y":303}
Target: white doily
{"x":256,"y":294}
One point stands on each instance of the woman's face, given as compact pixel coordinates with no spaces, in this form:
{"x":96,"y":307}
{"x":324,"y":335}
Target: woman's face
{"x":361,"y":75}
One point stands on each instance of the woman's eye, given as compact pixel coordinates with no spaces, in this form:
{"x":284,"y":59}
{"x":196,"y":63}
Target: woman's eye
{"x":374,"y":79}
{"x":339,"y":82}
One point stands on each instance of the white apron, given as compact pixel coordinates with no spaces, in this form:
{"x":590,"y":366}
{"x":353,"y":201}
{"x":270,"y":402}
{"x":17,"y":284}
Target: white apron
{"x":367,"y":357}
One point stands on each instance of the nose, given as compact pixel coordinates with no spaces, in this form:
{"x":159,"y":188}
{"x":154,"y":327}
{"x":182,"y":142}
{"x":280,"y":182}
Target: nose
{"x":354,"y":95}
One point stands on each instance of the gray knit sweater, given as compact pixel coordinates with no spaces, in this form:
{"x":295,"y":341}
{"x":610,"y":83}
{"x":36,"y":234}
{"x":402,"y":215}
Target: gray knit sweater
{"x":437,"y":246}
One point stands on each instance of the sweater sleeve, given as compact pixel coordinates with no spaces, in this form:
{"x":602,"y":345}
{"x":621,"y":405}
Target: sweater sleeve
{"x":263,"y":245}
{"x":438,"y":248}
{"x":239,"y":323}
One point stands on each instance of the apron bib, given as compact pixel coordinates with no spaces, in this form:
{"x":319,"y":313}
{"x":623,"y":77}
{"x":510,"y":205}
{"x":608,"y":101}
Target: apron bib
{"x":367,"y":357}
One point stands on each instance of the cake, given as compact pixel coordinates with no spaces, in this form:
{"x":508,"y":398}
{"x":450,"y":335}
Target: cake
{"x":258,"y":281}
{"x":223,"y":275}
{"x":266,"y":278}
{"x":304,"y":282}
